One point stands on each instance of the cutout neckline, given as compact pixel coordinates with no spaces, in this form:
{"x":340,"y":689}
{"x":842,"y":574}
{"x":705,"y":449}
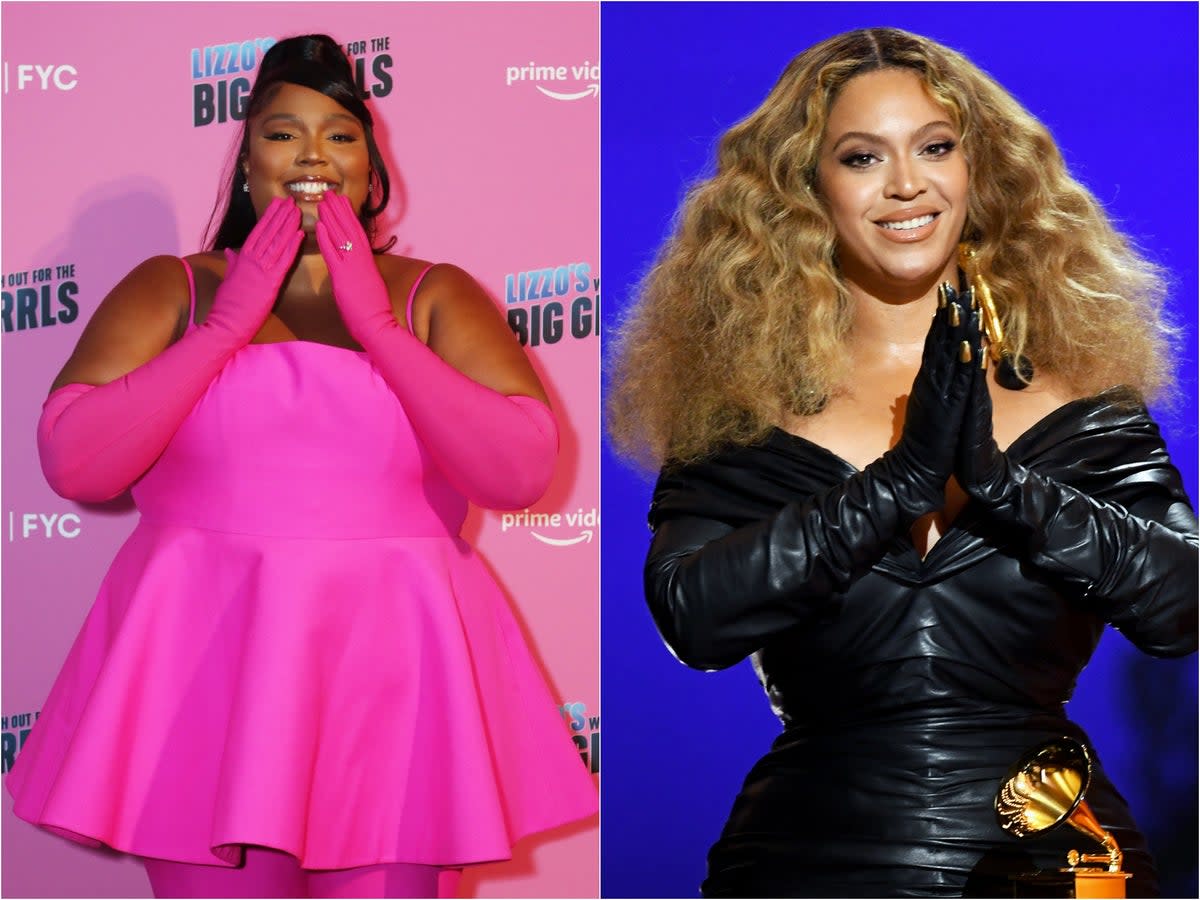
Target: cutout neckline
{"x":1026,"y":435}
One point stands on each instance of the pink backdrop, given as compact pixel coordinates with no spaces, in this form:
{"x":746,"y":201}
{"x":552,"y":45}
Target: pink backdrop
{"x":118,"y":125}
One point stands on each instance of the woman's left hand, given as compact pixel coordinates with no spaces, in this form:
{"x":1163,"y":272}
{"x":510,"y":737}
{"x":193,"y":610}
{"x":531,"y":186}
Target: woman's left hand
{"x":1136,"y":569}
{"x":980,"y":466}
{"x":358,"y":289}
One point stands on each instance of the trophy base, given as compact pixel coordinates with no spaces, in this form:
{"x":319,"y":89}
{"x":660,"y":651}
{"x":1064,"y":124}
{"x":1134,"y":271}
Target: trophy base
{"x":1080,"y":883}
{"x":1099,"y":883}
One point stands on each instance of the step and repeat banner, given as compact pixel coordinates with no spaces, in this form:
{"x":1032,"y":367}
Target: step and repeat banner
{"x":119,"y":124}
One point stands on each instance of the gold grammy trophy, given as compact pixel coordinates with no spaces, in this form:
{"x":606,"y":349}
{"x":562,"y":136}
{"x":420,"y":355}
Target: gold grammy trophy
{"x":1046,"y":788}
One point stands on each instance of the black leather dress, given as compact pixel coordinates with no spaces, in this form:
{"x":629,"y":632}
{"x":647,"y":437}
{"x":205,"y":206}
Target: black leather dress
{"x":908,"y":690}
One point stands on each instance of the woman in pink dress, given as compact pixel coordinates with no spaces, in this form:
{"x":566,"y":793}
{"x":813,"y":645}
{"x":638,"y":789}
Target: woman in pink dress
{"x":298,"y":680}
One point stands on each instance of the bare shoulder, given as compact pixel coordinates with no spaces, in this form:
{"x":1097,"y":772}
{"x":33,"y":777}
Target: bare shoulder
{"x":439,"y":281}
{"x":163,"y":271}
{"x":1015,"y":412}
{"x":445,"y":292}
{"x":453,"y":300}
{"x":138,"y":319}
{"x":209,"y":261}
{"x":400,"y":271}
{"x":208,"y":271}
{"x":447,"y":284}
{"x":457,"y":319}
{"x":154,"y":292}
{"x":400,"y":274}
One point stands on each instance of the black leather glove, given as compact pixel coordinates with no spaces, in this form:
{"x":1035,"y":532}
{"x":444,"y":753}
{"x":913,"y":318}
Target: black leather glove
{"x":1139,"y":572}
{"x":717,"y":593}
{"x":923,"y":459}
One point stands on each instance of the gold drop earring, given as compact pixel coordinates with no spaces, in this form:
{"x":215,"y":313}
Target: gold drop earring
{"x":1013,"y":371}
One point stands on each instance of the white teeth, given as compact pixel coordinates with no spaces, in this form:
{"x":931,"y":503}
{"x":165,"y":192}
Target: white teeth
{"x":908,"y":223}
{"x":309,"y":187}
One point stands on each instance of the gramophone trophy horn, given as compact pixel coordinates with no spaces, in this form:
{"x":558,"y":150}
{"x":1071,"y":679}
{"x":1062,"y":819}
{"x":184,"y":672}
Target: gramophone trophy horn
{"x":1045,"y":788}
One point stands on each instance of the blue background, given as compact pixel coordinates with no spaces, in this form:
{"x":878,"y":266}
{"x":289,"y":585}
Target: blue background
{"x":1116,"y":85}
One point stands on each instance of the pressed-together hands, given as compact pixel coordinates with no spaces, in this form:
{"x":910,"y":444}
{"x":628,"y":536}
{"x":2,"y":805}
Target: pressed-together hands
{"x":925,"y":456}
{"x":948,"y":425}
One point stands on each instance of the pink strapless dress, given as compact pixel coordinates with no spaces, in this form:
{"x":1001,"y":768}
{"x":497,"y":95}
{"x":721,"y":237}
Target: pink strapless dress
{"x":295,"y":649}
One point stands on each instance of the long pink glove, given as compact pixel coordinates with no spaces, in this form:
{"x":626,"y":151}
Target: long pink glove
{"x":498,"y":451}
{"x":94,"y":442}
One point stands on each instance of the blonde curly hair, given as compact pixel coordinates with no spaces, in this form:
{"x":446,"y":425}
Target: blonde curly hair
{"x":742,"y":319}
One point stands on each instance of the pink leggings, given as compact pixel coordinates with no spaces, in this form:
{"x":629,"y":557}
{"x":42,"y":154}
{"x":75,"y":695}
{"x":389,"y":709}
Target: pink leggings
{"x":272,"y":873}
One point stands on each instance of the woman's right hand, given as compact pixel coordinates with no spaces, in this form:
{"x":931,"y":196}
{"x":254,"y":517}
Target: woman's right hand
{"x":255,"y":274}
{"x":923,"y":459}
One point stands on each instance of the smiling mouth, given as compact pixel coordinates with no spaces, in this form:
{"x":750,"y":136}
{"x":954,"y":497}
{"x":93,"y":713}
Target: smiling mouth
{"x":310,"y":190}
{"x":908,"y":224}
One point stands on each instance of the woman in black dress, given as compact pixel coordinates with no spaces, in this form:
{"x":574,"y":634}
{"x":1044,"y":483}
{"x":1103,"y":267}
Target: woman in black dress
{"x":916,"y":523}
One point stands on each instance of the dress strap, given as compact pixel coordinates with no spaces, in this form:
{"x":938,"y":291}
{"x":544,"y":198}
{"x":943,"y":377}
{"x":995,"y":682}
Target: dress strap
{"x":412,"y":295}
{"x":191,"y":294}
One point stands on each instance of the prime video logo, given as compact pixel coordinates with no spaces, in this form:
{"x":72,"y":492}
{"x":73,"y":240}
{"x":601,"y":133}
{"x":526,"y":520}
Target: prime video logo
{"x":586,"y":522}
{"x":559,"y":76}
